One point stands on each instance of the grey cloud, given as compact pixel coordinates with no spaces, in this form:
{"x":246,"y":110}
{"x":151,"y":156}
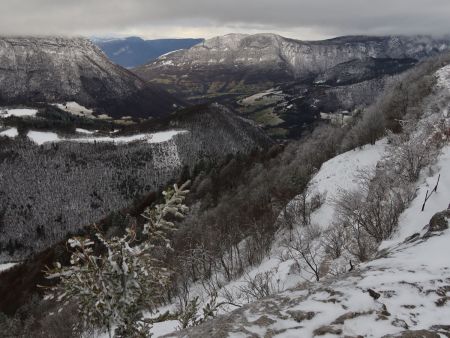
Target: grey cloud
{"x":166,"y":17}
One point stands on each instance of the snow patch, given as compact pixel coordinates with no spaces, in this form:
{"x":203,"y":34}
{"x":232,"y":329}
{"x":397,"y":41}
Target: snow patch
{"x":167,"y":63}
{"x":258,"y":96}
{"x":159,"y":137}
{"x":163,"y":328}
{"x":6,"y":266}
{"x":341,"y":173}
{"x":168,"y":53}
{"x":75,"y":109}
{"x":17,"y":112}
{"x":12,"y":132}
{"x":84,"y":131}
{"x":40,"y":137}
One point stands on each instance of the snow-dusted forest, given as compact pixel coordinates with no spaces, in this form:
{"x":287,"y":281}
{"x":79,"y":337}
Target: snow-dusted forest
{"x":270,"y":169}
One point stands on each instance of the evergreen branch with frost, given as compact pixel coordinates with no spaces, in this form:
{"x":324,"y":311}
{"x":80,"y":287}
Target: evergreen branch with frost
{"x":112,"y":290}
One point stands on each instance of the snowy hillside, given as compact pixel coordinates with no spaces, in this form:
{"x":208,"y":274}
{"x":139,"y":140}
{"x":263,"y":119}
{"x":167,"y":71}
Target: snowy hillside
{"x":411,"y":278}
{"x":341,"y":172}
{"x":401,"y":288}
{"x":413,"y":283}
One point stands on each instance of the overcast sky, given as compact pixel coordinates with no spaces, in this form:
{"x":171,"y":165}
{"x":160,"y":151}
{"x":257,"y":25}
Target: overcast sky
{"x":302,"y":19}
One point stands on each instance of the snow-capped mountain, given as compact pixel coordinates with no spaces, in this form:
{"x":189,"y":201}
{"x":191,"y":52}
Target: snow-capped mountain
{"x":235,"y":60}
{"x":133,"y":51}
{"x":313,"y":77}
{"x":55,"y":69}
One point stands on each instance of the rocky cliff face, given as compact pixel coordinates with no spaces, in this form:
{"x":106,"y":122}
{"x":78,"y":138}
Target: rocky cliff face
{"x":359,"y":70}
{"x":230,"y":62}
{"x":73,"y":69}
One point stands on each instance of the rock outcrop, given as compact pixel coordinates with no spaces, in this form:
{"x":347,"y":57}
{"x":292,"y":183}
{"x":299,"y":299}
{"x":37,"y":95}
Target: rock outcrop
{"x":439,"y":222}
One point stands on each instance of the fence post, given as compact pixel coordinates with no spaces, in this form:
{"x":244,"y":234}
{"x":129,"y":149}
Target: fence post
{"x":425,"y":201}
{"x":437,"y":183}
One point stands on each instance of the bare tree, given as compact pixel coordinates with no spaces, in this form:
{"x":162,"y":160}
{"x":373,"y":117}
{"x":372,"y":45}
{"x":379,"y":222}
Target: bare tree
{"x":306,"y":250}
{"x":260,"y":286}
{"x":334,"y":240}
{"x":413,"y":149}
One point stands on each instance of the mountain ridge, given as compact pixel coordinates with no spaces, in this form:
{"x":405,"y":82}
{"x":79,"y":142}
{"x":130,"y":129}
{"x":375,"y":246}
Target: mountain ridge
{"x":60,"y":69}
{"x":314,"y":77}
{"x":288,"y":58}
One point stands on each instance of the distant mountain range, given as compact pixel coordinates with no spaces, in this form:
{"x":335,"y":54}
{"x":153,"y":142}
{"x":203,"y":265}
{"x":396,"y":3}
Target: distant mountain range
{"x":284,"y":84}
{"x":235,"y":62}
{"x":133,"y":51}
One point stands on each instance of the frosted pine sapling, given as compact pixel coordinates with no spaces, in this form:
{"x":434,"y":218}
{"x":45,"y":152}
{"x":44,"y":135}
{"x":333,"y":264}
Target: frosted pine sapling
{"x":111,"y":290}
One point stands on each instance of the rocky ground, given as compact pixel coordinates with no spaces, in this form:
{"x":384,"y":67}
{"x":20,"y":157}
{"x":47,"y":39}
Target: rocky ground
{"x":404,"y":294}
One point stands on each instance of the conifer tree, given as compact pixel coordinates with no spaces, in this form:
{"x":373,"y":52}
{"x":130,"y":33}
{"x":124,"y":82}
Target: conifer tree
{"x":112,"y":289}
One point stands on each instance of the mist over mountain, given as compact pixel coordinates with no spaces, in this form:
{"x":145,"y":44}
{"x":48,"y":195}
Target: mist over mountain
{"x":134,"y":51}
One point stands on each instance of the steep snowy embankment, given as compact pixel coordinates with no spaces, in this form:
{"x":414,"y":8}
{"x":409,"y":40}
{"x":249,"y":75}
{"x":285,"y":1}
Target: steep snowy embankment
{"x":411,"y":283}
{"x":413,"y":220}
{"x":341,"y":172}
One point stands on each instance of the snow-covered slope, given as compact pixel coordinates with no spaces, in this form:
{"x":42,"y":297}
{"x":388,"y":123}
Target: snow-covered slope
{"x":339,"y":173}
{"x":411,"y":279}
{"x":11,"y":132}
{"x":404,"y":291}
{"x":413,"y":220}
{"x":342,"y":173}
